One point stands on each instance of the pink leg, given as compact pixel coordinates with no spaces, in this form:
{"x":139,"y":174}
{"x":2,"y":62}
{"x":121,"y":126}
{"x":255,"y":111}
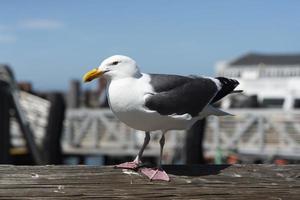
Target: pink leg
{"x":155,"y":174}
{"x":129,"y":165}
{"x":137,"y":162}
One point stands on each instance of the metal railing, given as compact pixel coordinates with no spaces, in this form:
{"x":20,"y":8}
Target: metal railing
{"x":259,"y":132}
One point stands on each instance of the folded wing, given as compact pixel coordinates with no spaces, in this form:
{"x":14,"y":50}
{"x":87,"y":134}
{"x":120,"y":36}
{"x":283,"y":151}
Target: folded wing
{"x":180,"y":95}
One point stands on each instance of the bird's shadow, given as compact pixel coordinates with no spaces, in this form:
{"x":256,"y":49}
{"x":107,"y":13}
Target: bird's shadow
{"x":194,"y":170}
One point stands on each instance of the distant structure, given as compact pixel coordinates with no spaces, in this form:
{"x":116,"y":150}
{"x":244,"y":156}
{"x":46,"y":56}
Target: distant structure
{"x":273,"y":79}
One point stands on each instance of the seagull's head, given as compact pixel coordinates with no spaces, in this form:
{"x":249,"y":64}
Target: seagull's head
{"x":114,"y":67}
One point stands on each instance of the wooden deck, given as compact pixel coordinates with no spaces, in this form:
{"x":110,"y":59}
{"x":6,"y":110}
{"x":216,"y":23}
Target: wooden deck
{"x":187,"y":182}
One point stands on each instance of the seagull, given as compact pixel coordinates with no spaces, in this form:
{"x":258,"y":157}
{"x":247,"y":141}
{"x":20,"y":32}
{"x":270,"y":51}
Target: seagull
{"x":150,"y":102}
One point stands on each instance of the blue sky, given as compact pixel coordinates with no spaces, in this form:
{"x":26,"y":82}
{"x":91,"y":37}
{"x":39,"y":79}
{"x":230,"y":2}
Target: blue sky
{"x":51,"y":42}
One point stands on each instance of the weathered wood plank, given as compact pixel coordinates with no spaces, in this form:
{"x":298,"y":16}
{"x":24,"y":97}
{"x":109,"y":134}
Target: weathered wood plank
{"x":187,"y":182}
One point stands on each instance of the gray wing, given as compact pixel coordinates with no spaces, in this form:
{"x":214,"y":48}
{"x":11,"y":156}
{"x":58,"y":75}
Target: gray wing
{"x":180,"y":94}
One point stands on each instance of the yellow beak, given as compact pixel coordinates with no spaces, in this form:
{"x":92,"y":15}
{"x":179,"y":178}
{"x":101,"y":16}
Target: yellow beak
{"x":91,"y":75}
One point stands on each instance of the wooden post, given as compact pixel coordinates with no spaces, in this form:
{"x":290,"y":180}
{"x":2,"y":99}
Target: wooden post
{"x":194,"y":143}
{"x":4,"y":123}
{"x":13,"y":95}
{"x":87,"y":98}
{"x":74,"y":94}
{"x":51,"y":143}
{"x":26,"y":130}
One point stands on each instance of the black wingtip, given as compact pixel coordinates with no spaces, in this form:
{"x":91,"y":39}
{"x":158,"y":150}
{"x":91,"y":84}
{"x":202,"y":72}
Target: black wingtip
{"x":237,"y":91}
{"x":228,"y":86}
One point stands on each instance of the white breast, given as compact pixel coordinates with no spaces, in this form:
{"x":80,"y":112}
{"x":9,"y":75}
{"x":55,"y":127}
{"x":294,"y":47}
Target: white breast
{"x":126,"y":94}
{"x":126,"y":100}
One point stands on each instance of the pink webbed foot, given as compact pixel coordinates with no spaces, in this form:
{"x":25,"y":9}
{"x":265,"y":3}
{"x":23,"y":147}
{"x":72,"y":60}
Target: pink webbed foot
{"x":129,"y":165}
{"x":155,"y":174}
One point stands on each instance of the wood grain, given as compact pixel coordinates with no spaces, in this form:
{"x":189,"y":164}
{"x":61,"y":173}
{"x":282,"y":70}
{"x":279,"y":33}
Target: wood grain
{"x":187,"y":182}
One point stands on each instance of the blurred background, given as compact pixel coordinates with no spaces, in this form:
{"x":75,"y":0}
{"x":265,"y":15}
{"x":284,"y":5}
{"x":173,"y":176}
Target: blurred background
{"x":47,"y":116}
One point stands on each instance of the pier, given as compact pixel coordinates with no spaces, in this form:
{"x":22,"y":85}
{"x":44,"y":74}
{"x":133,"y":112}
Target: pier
{"x":187,"y":182}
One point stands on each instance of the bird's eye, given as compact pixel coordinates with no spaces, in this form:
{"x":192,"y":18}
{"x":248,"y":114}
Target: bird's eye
{"x":115,"y":63}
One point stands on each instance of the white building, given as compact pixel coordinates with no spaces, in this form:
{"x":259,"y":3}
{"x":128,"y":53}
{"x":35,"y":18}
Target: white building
{"x":273,"y":78}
